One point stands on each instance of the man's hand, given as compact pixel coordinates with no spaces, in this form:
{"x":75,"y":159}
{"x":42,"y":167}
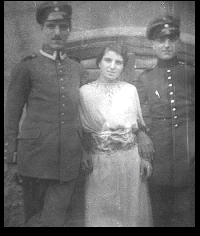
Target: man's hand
{"x":145,"y":169}
{"x":145,"y":146}
{"x":86,"y":162}
{"x":12,"y":168}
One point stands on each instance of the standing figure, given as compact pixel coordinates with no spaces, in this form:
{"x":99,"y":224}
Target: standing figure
{"x":47,"y":149}
{"x":116,"y":193}
{"x":168,"y":89}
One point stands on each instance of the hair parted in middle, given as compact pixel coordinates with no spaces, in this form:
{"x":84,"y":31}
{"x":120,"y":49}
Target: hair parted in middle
{"x":119,"y":48}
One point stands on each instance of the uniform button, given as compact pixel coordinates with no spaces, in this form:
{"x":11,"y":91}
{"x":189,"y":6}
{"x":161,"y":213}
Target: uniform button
{"x":63,"y":96}
{"x":62,"y":122}
{"x":59,"y":63}
{"x":175,"y":117}
{"x":61,"y":79}
{"x":168,"y":71}
{"x":62,"y":87}
{"x":169,"y":77}
{"x":63,"y":105}
{"x":6,"y":144}
{"x":60,"y":71}
{"x":176,"y":125}
{"x":171,"y":93}
{"x":63,"y":113}
{"x":5,"y":158}
{"x":5,"y":150}
{"x":174,"y":109}
{"x":170,"y":85}
{"x":172,"y":101}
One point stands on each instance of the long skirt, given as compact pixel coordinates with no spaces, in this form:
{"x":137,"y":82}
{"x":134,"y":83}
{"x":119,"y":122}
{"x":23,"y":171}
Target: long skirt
{"x":115,"y":195}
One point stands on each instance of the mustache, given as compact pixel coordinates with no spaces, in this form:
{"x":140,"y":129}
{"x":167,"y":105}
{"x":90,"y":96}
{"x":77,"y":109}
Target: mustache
{"x":56,"y":38}
{"x":167,"y":50}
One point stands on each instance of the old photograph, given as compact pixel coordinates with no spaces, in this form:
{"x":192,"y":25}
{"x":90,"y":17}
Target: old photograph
{"x":99,"y":113}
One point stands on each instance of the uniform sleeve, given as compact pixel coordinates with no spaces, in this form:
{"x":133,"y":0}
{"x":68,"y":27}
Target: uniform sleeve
{"x":16,"y":97}
{"x":140,"y":86}
{"x":143,"y":98}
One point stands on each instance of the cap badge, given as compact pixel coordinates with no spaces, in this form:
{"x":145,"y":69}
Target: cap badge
{"x":56,"y":9}
{"x":166,"y":25}
{"x":166,"y":31}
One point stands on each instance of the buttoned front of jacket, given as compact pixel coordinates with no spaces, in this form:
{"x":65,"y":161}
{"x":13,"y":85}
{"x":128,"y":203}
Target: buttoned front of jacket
{"x":169,"y":91}
{"x":47,"y":145}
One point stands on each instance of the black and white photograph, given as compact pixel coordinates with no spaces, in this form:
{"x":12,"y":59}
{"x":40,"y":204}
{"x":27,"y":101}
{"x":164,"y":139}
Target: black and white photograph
{"x":99,"y":113}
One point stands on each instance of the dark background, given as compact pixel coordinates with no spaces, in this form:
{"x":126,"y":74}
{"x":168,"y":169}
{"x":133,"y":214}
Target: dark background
{"x":92,"y":22}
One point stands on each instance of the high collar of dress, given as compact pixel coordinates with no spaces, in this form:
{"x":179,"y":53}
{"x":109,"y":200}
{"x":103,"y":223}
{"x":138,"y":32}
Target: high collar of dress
{"x":167,"y":63}
{"x":52,"y":54}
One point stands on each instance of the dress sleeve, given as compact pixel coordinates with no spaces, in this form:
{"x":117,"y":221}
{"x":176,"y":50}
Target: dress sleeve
{"x":83,"y":109}
{"x":91,"y":118}
{"x":85,"y":132}
{"x":139,"y":110}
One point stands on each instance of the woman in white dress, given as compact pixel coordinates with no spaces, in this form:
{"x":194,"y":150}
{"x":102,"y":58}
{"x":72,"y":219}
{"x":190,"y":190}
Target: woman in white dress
{"x":116,"y":195}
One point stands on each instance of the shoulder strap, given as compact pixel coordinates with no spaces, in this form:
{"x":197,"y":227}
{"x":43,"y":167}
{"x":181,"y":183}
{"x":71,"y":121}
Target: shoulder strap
{"x":29,"y":57}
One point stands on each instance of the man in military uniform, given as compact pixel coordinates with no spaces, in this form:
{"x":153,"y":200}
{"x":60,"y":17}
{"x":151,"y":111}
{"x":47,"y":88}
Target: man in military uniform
{"x":47,"y":148}
{"x":168,"y":89}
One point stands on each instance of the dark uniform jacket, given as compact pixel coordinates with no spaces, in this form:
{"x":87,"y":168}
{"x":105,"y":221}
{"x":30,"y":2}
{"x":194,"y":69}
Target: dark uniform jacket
{"x":48,"y":144}
{"x":168,"y":89}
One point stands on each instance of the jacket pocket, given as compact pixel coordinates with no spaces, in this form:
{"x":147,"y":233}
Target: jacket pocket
{"x":29,"y":134}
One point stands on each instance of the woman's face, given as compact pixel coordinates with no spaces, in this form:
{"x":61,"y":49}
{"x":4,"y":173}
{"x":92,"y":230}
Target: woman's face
{"x":111,"y":65}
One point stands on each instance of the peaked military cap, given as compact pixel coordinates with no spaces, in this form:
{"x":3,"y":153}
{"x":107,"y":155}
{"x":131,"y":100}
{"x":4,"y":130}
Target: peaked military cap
{"x":53,"y":10}
{"x":163,"y":25}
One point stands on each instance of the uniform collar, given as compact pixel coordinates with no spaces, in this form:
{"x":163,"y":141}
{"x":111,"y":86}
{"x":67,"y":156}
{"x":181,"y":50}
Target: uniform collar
{"x":167,"y":63}
{"x":52,"y":54}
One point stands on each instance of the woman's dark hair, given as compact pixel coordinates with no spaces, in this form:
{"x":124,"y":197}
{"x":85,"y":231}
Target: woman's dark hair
{"x":116,"y":47}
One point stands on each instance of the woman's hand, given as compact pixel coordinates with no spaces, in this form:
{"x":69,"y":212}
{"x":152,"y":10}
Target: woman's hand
{"x":86,"y":161}
{"x":145,"y":169}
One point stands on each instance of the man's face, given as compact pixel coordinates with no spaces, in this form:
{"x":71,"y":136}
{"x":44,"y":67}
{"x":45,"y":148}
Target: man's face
{"x":167,"y":46}
{"x":56,"y":33}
